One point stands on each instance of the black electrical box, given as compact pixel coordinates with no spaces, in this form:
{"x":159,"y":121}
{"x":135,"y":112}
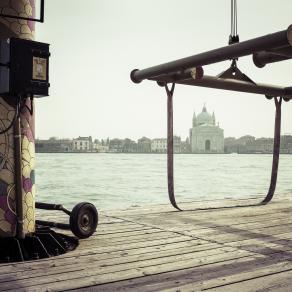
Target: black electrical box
{"x":24,"y":68}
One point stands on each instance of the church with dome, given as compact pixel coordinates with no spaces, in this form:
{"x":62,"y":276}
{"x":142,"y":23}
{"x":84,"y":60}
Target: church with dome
{"x":205,"y":135}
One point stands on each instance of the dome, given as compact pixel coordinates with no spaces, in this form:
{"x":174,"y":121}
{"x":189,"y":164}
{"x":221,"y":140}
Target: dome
{"x":204,"y":117}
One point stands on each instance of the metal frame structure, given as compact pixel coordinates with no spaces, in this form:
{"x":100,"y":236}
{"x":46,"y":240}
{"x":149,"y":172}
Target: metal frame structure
{"x":188,"y":71}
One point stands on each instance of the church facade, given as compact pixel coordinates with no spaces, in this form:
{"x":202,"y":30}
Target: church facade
{"x":205,"y":135}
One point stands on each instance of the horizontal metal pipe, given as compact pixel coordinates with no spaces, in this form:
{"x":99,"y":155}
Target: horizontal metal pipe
{"x":47,"y":206}
{"x":284,"y":51}
{"x":270,"y":41}
{"x":195,"y":73}
{"x":53,"y":224}
{"x":262,"y":58}
{"x":235,"y":85}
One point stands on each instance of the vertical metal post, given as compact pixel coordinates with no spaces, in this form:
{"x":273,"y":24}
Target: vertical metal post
{"x":170,"y":180}
{"x":276,"y":152}
{"x":18,"y":177}
{"x":42,"y":11}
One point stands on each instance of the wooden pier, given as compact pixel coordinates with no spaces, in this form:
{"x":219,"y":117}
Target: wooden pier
{"x":156,"y":248}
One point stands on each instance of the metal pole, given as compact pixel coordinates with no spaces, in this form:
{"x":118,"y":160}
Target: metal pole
{"x":232,"y":84}
{"x":276,"y":151}
{"x":170,"y":180}
{"x":42,"y":11}
{"x":18,"y":177}
{"x":260,"y":59}
{"x":267,"y":42}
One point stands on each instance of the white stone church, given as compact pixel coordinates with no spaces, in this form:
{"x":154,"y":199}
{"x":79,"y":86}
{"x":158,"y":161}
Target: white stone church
{"x":205,"y":135}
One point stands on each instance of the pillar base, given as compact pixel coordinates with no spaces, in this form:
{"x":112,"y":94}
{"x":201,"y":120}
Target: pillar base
{"x":43,"y":243}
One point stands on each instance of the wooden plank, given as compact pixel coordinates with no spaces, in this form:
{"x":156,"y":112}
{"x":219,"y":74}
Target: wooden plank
{"x":86,"y":275}
{"x":72,"y":265}
{"x":105,"y":252}
{"x":156,"y":248}
{"x":279,"y":281}
{"x":209,"y":276}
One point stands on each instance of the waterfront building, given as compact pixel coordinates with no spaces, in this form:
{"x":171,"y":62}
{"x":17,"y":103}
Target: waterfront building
{"x":82,"y":144}
{"x":261,"y":145}
{"x":205,"y":135}
{"x":53,"y":145}
{"x":144,"y":145}
{"x":103,"y":149}
{"x":116,"y":145}
{"x":186,"y":146}
{"x":286,"y":144}
{"x":249,"y":144}
{"x":129,"y":146}
{"x":176,"y":144}
{"x":230,"y":145}
{"x":95,"y":145}
{"x":159,"y":145}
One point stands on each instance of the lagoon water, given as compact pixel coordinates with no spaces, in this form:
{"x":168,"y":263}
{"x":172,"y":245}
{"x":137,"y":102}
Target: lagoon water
{"x":113,"y":181}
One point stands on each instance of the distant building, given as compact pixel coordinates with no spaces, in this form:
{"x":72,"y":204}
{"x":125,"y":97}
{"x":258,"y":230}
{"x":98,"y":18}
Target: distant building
{"x":144,"y":145}
{"x":286,"y":144}
{"x":205,"y":136}
{"x":247,"y":144}
{"x":122,"y":146}
{"x":230,"y":145}
{"x":261,"y":145}
{"x":176,"y":144}
{"x":53,"y":145}
{"x":102,"y":149}
{"x":95,"y":145}
{"x":186,"y":146}
{"x":116,"y":145}
{"x":129,"y":146}
{"x":243,"y":144}
{"x":82,"y":144}
{"x":159,"y":145}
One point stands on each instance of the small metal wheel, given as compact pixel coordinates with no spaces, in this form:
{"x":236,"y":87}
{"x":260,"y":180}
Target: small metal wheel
{"x":83,"y":220}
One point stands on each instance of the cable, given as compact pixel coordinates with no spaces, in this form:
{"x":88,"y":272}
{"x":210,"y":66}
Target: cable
{"x":31,"y":106}
{"x":233,"y":37}
{"x":14,"y":118}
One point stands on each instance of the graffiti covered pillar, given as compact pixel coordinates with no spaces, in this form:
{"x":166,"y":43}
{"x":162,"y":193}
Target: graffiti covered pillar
{"x":8,"y":221}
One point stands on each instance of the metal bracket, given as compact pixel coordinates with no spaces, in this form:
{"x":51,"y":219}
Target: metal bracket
{"x":233,"y":72}
{"x":41,"y":19}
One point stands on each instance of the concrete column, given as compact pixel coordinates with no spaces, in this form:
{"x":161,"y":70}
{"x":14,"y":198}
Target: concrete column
{"x":23,"y":29}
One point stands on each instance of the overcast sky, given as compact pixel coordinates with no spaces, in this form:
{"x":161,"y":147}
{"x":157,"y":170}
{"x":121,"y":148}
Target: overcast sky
{"x":96,"y":43}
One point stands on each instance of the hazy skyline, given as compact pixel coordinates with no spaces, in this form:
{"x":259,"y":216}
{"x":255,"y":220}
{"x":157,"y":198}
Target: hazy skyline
{"x":95,"y":46}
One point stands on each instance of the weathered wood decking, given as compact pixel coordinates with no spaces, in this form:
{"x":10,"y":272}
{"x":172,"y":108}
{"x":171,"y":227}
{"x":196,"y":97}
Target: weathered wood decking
{"x":159,"y":249}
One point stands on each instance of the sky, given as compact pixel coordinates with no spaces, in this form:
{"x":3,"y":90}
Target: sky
{"x":95,"y":44}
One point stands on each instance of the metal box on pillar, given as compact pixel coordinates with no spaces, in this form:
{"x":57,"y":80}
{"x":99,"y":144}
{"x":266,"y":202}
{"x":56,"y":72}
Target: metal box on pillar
{"x":24,"y":68}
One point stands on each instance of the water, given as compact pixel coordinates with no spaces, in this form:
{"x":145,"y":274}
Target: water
{"x":112,"y":181}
